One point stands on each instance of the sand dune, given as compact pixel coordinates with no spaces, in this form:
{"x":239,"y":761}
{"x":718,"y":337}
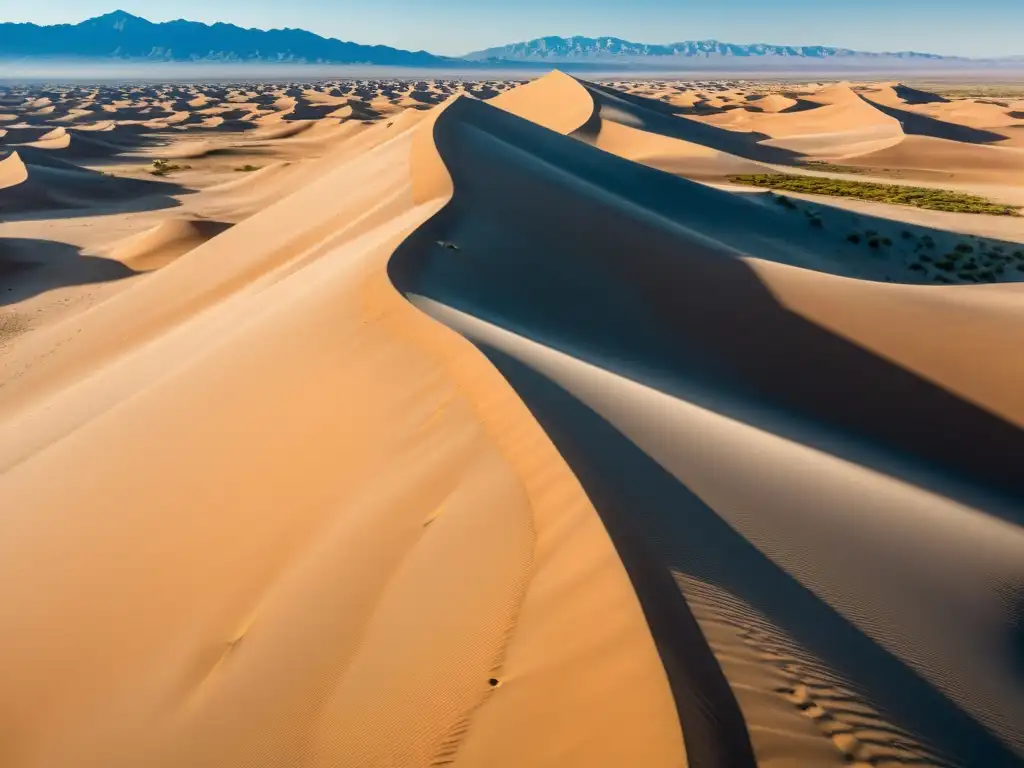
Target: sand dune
{"x":641,"y":353}
{"x":210,"y":633}
{"x":444,"y":431}
{"x":843,"y":126}
{"x":945,"y":156}
{"x":49,"y":184}
{"x":12,"y":171}
{"x":918,"y":124}
{"x":165,"y":242}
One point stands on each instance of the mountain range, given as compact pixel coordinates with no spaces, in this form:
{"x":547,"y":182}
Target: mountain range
{"x":121,"y":36}
{"x":615,"y":49}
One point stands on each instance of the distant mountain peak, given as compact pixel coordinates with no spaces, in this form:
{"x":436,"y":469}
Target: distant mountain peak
{"x":125,"y":36}
{"x":116,"y":16}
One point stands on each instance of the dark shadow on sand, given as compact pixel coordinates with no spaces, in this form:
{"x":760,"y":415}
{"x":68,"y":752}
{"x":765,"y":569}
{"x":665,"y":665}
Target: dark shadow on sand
{"x":651,"y":300}
{"x":650,"y":514}
{"x":916,"y":124}
{"x":663,"y":119}
{"x":30,"y":267}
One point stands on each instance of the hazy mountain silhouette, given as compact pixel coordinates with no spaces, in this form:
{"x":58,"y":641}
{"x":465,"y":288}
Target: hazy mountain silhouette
{"x":615,"y":49}
{"x":121,"y":35}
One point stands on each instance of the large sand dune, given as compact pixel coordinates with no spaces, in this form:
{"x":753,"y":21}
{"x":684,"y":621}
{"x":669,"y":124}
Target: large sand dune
{"x":479,"y":435}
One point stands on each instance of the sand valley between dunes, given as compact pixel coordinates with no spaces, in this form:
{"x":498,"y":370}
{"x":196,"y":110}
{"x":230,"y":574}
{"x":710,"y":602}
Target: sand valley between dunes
{"x":506,"y":424}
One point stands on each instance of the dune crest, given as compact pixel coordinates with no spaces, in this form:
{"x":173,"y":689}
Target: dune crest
{"x":461,"y":475}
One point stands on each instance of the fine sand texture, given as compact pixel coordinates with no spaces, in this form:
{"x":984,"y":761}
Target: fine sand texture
{"x":491,"y":425}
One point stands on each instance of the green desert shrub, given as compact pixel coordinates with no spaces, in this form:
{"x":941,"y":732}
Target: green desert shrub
{"x":162,"y":168}
{"x":920,"y":197}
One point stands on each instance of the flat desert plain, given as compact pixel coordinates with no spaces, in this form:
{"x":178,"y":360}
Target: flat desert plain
{"x":511,"y":424}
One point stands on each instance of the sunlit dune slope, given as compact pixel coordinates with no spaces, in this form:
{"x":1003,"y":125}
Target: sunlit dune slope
{"x":297,"y":520}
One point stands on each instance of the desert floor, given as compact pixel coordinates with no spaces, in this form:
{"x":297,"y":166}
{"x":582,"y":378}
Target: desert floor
{"x":388,"y":423}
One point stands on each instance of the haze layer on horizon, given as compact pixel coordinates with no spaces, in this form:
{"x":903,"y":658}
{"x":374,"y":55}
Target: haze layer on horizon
{"x":985,"y":28}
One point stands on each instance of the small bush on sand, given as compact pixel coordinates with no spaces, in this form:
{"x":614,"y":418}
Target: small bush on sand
{"x":162,"y":168}
{"x":853,"y":238}
{"x":247,"y":168}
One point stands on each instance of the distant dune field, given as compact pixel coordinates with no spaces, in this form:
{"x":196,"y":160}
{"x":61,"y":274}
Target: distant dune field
{"x":501,"y":423}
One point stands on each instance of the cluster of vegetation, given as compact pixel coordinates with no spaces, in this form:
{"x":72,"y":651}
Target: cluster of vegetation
{"x":785,"y":202}
{"x":162,"y":168}
{"x":820,"y":165}
{"x":247,"y":168}
{"x":871,"y":237}
{"x":920,"y":197}
{"x":976,"y":263}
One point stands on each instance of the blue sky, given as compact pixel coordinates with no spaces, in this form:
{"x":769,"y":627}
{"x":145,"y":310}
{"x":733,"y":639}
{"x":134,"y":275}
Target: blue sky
{"x":956,"y":27}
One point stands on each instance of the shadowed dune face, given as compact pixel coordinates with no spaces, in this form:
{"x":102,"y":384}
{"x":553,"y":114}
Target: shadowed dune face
{"x":917,"y":124}
{"x":366,"y":423}
{"x":682,"y":315}
{"x":31,"y":267}
{"x":650,"y":116}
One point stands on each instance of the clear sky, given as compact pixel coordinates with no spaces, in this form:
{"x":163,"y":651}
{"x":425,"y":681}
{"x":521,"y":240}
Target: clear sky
{"x":952,"y":27}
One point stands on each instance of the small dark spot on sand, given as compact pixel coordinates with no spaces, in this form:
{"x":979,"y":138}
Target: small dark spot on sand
{"x":494,"y":682}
